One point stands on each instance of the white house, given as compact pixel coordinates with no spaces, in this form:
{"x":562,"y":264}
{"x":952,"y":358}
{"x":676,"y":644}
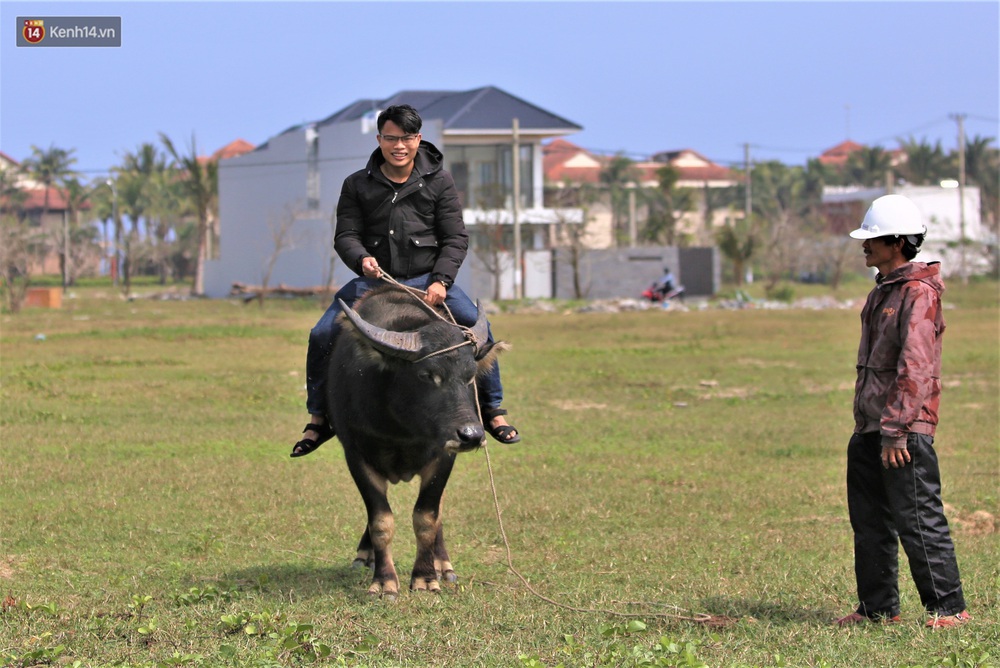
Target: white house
{"x":947,"y":222}
{"x":277,"y":203}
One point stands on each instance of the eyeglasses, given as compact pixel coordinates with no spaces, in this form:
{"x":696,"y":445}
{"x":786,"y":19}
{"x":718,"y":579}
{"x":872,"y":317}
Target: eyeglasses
{"x":393,"y":139}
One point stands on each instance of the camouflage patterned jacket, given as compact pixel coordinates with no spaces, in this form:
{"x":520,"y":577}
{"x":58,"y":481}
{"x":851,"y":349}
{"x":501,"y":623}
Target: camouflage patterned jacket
{"x":898,"y":389}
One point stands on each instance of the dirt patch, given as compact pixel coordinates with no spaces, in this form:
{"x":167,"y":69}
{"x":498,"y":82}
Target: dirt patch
{"x":729,"y":393}
{"x":765,"y":364}
{"x":573,"y":405}
{"x":494,"y":554}
{"x":977,"y":523}
{"x":7,"y":568}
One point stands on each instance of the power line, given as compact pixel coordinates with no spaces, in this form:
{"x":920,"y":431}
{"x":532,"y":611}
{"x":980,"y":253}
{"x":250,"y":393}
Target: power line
{"x":604,"y":152}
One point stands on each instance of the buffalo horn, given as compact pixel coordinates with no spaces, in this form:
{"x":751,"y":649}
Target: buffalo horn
{"x":405,"y":345}
{"x":481,"y":330}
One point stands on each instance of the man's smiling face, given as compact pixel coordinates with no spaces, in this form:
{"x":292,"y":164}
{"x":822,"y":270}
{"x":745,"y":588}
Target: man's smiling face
{"x":398,"y":148}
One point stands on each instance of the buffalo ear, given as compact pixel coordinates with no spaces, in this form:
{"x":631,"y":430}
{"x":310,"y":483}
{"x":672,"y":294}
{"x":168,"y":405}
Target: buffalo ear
{"x":404,"y":345}
{"x":486,"y":356}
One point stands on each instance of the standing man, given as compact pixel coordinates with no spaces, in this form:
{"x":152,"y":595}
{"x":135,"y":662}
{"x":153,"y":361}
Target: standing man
{"x":400,"y":214}
{"x":893,"y":480}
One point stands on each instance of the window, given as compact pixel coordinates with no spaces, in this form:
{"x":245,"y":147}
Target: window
{"x":484,"y":175}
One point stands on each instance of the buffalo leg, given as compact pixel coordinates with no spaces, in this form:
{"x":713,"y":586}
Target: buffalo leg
{"x":381,"y":527}
{"x":427,"y":524}
{"x":365,"y":557}
{"x":442,"y":563}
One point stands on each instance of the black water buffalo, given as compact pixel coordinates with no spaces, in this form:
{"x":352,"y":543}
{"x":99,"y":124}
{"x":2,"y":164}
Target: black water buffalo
{"x":402,"y":399}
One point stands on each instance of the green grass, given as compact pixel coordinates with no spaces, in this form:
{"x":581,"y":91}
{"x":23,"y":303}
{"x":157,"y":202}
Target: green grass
{"x":150,"y":515}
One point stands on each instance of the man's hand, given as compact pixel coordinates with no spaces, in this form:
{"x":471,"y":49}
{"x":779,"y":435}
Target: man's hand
{"x":436,"y":292}
{"x":370,"y":268}
{"x":895,"y":458}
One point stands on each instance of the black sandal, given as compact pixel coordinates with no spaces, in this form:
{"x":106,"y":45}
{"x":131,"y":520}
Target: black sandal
{"x":307,"y":445}
{"x":502,"y":433}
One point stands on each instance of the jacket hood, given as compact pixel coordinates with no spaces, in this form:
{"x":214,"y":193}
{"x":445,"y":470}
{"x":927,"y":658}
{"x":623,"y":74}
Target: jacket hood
{"x":928,"y":273}
{"x":428,"y":161}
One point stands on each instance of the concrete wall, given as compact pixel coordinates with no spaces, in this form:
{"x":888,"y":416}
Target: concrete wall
{"x":626,"y":272}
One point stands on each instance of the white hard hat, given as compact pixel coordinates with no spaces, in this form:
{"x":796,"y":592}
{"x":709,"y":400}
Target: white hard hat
{"x":890,"y":215}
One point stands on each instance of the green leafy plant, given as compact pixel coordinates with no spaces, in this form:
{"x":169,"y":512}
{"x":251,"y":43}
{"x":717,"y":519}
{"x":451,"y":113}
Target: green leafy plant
{"x":45,"y":653}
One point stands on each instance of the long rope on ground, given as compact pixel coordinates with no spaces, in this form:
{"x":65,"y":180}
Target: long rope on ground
{"x":697,"y":617}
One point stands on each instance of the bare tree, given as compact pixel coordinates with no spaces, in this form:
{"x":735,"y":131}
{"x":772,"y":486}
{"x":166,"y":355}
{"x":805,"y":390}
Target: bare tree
{"x":572,"y":233}
{"x":489,"y":238}
{"x":17,"y":242}
{"x":282,"y":239}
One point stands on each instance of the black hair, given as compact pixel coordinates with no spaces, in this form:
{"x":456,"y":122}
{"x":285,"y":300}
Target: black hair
{"x":403,"y":115}
{"x":911,"y":245}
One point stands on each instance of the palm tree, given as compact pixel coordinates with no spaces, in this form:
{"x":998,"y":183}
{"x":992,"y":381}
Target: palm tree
{"x":736,"y":241}
{"x":200,"y":182}
{"x":102,"y":200}
{"x":142,"y":166}
{"x":77,"y":196}
{"x":982,"y":167}
{"x":167,"y":208}
{"x":925,"y":164}
{"x":50,"y":167}
{"x":668,"y":204}
{"x":136,"y":185}
{"x":618,"y":175}
{"x":867,"y":166}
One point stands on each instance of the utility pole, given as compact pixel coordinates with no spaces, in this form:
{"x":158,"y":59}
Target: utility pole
{"x":516,"y":158}
{"x":633,"y":227}
{"x":748,"y":208}
{"x":66,"y":267}
{"x":963,"y":267}
{"x":114,"y":220}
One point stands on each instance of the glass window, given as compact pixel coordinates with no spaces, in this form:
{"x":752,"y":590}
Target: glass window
{"x":484,"y":175}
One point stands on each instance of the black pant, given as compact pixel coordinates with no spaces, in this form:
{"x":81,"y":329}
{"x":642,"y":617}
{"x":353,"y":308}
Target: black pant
{"x":892,"y":506}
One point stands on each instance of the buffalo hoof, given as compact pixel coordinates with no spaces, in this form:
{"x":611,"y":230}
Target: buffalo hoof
{"x":385,"y":591}
{"x":425,"y":584}
{"x":444,"y":571}
{"x":359,"y":563}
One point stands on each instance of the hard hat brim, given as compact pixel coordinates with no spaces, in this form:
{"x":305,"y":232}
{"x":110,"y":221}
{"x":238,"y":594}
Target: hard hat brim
{"x":862,"y":233}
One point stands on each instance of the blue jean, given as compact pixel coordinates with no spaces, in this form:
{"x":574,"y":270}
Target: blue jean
{"x":324,"y":334}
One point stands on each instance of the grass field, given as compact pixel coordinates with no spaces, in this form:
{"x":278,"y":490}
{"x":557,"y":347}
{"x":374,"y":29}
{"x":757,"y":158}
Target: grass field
{"x":672,"y":464}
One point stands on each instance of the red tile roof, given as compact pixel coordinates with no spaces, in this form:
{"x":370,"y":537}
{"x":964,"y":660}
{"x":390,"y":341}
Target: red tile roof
{"x":57,"y":200}
{"x":232,"y":149}
{"x":564,"y":161}
{"x":560,"y":155}
{"x":838,"y":154}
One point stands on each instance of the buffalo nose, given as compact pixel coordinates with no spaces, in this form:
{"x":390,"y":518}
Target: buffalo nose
{"x":471,"y":433}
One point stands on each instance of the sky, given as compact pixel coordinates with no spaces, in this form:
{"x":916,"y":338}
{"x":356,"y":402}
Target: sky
{"x":787,"y":79}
